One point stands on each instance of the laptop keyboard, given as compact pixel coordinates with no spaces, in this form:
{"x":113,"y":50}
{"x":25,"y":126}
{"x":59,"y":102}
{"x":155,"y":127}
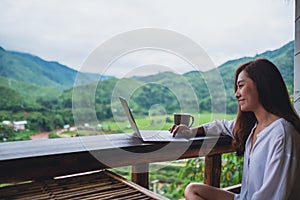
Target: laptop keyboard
{"x":157,"y":137}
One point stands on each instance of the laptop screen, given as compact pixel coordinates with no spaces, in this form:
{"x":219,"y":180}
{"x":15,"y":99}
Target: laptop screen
{"x":129,"y":115}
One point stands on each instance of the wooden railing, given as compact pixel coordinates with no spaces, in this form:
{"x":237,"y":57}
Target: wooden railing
{"x":40,"y":159}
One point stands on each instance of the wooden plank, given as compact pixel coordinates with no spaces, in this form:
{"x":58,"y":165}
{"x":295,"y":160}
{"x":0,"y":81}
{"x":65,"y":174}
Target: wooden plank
{"x":41,"y":148}
{"x":212,"y":170}
{"x":48,"y":147}
{"x":135,"y":186}
{"x":98,"y":185}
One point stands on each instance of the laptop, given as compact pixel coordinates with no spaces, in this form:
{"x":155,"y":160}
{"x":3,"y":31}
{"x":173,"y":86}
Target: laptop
{"x":149,"y":135}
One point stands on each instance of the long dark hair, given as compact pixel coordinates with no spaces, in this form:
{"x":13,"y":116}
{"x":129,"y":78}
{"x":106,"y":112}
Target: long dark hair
{"x":273,"y":96}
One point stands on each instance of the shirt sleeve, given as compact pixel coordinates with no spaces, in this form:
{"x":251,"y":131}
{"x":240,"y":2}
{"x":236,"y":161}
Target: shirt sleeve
{"x":237,"y":196}
{"x":218,"y":127}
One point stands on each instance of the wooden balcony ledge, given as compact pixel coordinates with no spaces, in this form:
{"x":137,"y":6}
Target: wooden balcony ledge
{"x":46,"y":159}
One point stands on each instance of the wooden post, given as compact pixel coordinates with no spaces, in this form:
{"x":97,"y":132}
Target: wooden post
{"x":212,"y":170}
{"x":140,"y":174}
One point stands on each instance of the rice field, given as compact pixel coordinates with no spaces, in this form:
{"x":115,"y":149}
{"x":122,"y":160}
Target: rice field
{"x":160,"y":122}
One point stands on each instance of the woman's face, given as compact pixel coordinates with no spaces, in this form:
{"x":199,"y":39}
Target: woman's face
{"x":246,"y":93}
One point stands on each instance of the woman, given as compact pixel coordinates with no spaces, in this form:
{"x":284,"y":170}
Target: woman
{"x":266,"y":131}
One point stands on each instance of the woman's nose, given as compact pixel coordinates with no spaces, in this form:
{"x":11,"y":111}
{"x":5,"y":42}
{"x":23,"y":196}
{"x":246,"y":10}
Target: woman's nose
{"x":237,"y":94}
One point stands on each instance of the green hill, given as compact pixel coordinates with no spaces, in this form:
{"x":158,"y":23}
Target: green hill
{"x":32,"y":69}
{"x":42,"y":92}
{"x":283,"y":58}
{"x":30,"y":91}
{"x":31,"y":75}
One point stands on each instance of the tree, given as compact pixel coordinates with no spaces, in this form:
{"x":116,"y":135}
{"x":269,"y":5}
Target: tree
{"x":6,"y":132}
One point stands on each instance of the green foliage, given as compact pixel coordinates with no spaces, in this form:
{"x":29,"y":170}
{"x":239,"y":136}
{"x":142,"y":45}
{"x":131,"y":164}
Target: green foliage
{"x":23,"y":135}
{"x":193,"y":171}
{"x":40,"y":121}
{"x":232,"y":169}
{"x":11,"y":100}
{"x":6,"y":132}
{"x":29,"y":91}
{"x":153,"y":94}
{"x":53,"y":135}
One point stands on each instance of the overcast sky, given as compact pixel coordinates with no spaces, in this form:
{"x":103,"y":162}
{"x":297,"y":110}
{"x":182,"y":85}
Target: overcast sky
{"x":68,"y":31}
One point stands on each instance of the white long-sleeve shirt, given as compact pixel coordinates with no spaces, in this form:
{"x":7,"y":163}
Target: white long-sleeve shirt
{"x":272,"y":166}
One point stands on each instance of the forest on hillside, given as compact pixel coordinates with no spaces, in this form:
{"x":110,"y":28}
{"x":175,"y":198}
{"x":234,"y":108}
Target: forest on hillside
{"x":48,"y":107}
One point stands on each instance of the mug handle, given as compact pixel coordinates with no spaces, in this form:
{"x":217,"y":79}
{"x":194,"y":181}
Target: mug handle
{"x":192,"y":121}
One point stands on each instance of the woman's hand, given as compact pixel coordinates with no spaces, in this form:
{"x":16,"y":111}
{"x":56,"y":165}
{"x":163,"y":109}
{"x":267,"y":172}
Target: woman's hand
{"x":181,"y":131}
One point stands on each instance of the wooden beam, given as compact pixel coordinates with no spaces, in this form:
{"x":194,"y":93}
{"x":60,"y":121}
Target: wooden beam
{"x":140,"y":174}
{"x":212,"y":171}
{"x":32,"y":160}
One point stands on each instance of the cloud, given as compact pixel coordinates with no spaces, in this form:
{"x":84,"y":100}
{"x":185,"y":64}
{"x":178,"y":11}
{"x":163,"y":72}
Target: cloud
{"x":67,"y":31}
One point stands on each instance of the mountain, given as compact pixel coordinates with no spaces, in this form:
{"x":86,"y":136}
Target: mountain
{"x":29,"y":71}
{"x":42,"y":92}
{"x":282,"y":57}
{"x":34,"y":71}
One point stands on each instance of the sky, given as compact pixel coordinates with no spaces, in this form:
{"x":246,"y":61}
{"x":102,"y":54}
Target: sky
{"x":71,"y":31}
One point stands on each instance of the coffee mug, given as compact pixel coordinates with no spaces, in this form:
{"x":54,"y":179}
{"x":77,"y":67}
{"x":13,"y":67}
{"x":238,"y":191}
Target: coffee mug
{"x":183,"y":118}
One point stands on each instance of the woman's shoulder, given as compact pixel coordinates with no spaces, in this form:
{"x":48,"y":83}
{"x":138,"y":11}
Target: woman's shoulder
{"x":283,"y":129}
{"x":283,"y":137}
{"x":285,"y":126}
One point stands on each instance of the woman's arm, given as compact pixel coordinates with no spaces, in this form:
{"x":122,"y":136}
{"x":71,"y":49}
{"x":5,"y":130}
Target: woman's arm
{"x":216,"y":127}
{"x":219,"y":127}
{"x":198,"y":131}
{"x":282,"y":169}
